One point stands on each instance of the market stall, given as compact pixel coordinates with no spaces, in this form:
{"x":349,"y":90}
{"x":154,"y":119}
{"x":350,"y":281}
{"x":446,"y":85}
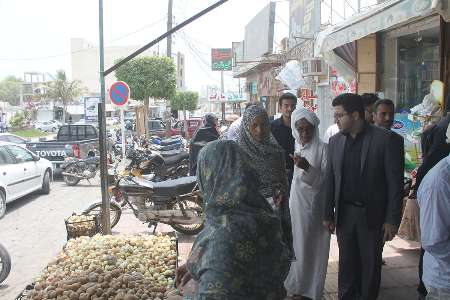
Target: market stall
{"x":124,"y":267}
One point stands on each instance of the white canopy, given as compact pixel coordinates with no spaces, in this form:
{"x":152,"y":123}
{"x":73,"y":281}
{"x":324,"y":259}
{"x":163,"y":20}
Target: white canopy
{"x":381,"y":17}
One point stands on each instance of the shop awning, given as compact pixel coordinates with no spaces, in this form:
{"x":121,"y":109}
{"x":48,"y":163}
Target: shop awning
{"x":380,"y":17}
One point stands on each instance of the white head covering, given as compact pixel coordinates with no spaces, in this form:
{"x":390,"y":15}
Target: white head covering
{"x":303,"y":113}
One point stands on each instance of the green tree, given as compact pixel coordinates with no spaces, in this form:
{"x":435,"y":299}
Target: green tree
{"x":149,"y":77}
{"x":10,"y":90}
{"x":64,"y":90}
{"x":185,"y":101}
{"x":18,"y":120}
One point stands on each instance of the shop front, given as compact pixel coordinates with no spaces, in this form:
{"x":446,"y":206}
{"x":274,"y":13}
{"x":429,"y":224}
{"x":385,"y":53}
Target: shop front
{"x":409,"y":61}
{"x":400,"y":51}
{"x":268,"y":88}
{"x":396,"y":49}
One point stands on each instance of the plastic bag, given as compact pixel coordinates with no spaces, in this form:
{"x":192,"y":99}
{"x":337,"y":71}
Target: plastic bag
{"x":291,"y":75}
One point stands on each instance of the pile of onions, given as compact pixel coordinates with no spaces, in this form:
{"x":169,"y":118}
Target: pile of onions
{"x":110,"y":267}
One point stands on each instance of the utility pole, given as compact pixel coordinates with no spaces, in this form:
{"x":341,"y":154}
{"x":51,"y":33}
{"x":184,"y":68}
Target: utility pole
{"x":168,"y":114}
{"x":106,"y":222}
{"x":222,"y":94}
{"x":169,"y":27}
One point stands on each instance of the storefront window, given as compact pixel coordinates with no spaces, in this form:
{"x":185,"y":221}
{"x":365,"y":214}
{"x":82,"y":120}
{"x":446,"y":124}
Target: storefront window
{"x":409,"y":63}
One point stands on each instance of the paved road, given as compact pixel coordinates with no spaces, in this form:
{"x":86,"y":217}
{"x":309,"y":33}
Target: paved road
{"x":33,"y":230}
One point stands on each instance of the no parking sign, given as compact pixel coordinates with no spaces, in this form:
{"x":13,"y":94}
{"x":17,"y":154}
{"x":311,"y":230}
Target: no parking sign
{"x":119,"y":93}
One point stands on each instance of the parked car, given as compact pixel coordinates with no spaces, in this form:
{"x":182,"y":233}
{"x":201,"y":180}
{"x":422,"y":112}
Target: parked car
{"x":21,"y":173}
{"x":71,"y":141}
{"x":46,"y":126}
{"x":14,"y":139}
{"x":156,"y":127}
{"x":193,"y":125}
{"x":58,"y":123}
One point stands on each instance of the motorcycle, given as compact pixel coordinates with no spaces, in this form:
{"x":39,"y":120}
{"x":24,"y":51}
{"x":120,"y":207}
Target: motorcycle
{"x":145,"y":162}
{"x":5,"y":263}
{"x":74,"y":170}
{"x":166,"y":142}
{"x":177,"y":203}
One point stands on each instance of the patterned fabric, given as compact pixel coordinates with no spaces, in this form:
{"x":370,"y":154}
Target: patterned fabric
{"x":267,"y":158}
{"x":240,"y":253}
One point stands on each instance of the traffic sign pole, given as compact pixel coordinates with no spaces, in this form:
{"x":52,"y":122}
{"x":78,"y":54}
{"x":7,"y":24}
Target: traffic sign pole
{"x":119,"y":93}
{"x":122,"y":126}
{"x":106,"y":221}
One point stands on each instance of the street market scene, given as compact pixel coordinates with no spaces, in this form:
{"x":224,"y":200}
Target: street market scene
{"x":225,"y":149}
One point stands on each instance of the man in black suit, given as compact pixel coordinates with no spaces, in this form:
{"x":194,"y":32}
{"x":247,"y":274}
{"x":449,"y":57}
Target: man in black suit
{"x":364,"y":191}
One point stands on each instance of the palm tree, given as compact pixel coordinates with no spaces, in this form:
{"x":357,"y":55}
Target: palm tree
{"x":64,"y":90}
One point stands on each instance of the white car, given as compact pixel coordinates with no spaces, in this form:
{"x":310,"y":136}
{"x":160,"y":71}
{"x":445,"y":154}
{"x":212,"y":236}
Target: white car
{"x":21,"y":173}
{"x":57,"y":123}
{"x":46,"y":126}
{"x":12,"y":138}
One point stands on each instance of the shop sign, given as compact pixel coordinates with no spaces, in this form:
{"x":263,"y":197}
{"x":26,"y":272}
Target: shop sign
{"x":308,"y":99}
{"x":340,"y":86}
{"x":304,"y":16}
{"x":267,"y":85}
{"x":264,"y":101}
{"x":91,"y":108}
{"x":221,"y":59}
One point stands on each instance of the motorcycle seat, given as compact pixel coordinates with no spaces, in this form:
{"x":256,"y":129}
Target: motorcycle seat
{"x":169,"y":188}
{"x":172,"y":188}
{"x":170,"y":160}
{"x":168,"y":142}
{"x":167,"y":148}
{"x":92,"y":160}
{"x":170,"y":153}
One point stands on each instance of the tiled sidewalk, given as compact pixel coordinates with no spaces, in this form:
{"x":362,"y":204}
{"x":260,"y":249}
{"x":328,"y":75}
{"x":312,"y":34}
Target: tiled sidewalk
{"x":399,"y":276}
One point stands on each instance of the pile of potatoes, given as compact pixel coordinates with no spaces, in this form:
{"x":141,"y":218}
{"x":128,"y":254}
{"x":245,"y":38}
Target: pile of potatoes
{"x":110,"y":267}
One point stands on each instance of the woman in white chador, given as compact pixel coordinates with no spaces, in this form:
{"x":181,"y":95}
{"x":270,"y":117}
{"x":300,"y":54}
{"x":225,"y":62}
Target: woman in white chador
{"x":306,"y":278}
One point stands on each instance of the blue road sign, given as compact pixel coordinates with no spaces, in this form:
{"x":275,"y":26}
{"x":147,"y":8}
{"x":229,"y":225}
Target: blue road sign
{"x":119,"y":93}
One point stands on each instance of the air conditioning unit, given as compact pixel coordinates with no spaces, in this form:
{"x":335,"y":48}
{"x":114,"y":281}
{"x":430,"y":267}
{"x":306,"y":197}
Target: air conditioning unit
{"x":313,"y":67}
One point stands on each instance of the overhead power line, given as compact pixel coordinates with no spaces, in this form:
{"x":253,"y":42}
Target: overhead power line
{"x":85,"y":49}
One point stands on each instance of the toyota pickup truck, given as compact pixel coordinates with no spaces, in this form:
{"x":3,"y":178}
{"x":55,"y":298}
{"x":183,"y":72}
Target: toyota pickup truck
{"x":71,"y":141}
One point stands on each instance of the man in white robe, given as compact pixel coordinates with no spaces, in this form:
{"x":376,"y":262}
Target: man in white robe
{"x":306,"y":278}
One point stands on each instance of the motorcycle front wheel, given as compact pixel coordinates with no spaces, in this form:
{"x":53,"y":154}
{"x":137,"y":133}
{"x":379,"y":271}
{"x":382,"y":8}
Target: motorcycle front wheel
{"x":189,"y":204}
{"x":96,"y":210}
{"x":71,"y":180}
{"x":5,"y":263}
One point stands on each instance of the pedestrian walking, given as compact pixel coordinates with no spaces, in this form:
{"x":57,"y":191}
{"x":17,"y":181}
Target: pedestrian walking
{"x":435,"y":148}
{"x":282,"y":131}
{"x":434,"y":202}
{"x":364,"y":191}
{"x":201,"y":137}
{"x":369,"y":100}
{"x":235,"y":127}
{"x":306,"y":278}
{"x":240,"y":254}
{"x":267,"y":158}
{"x":383,"y":117}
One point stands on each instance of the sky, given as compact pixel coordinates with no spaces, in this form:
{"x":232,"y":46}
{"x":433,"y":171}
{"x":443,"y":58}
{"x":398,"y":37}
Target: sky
{"x":36,"y":34}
